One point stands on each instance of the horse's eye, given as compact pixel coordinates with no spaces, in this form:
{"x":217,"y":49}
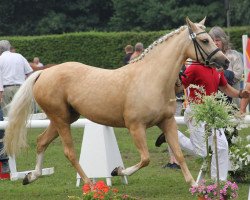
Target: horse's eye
{"x":205,"y":41}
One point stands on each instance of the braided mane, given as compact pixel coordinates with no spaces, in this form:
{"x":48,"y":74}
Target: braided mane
{"x":158,"y":41}
{"x":161,"y":40}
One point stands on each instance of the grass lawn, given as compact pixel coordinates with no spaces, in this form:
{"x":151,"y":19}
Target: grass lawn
{"x":150,"y":183}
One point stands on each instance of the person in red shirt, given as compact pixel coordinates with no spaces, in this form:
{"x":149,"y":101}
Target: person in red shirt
{"x":244,"y":102}
{"x":212,"y":81}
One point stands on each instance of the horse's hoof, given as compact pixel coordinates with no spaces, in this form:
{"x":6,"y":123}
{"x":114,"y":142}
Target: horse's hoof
{"x":115,"y":172}
{"x":26,"y":179}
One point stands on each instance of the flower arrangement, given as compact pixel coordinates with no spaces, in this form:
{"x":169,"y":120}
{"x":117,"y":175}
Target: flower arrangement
{"x":239,"y":153}
{"x":217,"y":113}
{"x":214,"y":110}
{"x":101,"y":191}
{"x":208,"y":190}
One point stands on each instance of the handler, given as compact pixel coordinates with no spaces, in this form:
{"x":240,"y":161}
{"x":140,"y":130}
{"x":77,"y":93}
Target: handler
{"x":212,"y":81}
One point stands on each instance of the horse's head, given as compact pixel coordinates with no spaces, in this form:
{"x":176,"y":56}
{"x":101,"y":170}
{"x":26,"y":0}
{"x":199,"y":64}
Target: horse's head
{"x":202,"y":48}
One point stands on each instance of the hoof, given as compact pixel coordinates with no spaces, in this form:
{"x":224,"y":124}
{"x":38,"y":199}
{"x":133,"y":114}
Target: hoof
{"x":115,"y":172}
{"x":26,"y":179}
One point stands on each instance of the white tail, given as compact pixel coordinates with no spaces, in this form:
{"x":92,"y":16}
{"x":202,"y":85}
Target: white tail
{"x":19,"y":109}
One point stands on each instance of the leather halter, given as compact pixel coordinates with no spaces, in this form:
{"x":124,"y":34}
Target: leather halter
{"x":199,"y":49}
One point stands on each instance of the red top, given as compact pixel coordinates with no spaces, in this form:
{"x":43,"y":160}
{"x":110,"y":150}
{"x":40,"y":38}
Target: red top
{"x":205,"y":76}
{"x":248,"y":77}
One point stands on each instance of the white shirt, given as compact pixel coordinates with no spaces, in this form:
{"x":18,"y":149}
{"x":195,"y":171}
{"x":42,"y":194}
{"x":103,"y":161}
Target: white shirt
{"x":40,"y":64}
{"x":13,"y":69}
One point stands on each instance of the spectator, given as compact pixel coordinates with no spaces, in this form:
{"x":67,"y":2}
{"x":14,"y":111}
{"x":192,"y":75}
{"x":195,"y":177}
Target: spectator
{"x":138,"y":50}
{"x":3,"y":157}
{"x":236,"y":68}
{"x":173,"y":163}
{"x":36,"y":61}
{"x":12,"y":49}
{"x":129,"y":51}
{"x":211,"y":80}
{"x":244,"y":102}
{"x":13,"y":70}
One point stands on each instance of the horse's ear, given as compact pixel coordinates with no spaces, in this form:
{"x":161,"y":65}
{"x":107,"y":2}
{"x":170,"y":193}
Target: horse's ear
{"x":190,"y":24}
{"x":202,"y":22}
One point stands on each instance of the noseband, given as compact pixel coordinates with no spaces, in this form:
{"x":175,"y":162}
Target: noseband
{"x":199,"y":49}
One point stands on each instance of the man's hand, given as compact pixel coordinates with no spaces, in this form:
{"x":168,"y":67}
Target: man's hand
{"x":244,"y":94}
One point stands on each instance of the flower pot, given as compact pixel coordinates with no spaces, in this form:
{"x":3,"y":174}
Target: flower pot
{"x":201,"y":198}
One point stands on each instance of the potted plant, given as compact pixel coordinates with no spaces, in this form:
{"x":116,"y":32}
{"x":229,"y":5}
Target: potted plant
{"x":207,"y":190}
{"x":217,"y":113}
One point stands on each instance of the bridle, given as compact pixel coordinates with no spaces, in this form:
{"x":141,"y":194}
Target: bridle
{"x":199,"y":49}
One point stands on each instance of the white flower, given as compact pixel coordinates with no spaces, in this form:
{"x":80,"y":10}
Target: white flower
{"x":229,"y":129}
{"x":234,"y":140}
{"x":248,"y":138}
{"x":244,"y":154}
{"x":242,"y":126}
{"x":236,"y":166}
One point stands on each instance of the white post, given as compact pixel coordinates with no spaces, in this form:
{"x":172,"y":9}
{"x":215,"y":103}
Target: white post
{"x":244,"y":46}
{"x":246,"y":69}
{"x":99,"y":153}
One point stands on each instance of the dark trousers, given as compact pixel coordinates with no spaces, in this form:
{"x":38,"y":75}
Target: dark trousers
{"x":3,"y":157}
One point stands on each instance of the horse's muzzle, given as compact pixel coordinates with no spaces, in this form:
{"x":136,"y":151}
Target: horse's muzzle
{"x":226,"y":64}
{"x":220,"y":65}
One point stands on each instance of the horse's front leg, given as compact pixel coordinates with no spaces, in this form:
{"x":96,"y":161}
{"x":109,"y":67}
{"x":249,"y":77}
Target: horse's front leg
{"x":169,"y":127}
{"x":138,"y":134}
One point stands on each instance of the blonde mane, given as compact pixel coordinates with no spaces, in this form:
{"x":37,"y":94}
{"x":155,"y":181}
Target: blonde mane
{"x":158,"y":41}
{"x":161,"y":40}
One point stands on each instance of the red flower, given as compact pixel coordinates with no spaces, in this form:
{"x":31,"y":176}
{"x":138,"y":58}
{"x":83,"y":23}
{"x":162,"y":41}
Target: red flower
{"x":98,"y":195}
{"x":100,"y":185}
{"x":86,"y":188}
{"x":115,"y":190}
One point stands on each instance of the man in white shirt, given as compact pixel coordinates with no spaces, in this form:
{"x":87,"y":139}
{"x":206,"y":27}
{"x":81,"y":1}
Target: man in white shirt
{"x":14,"y":69}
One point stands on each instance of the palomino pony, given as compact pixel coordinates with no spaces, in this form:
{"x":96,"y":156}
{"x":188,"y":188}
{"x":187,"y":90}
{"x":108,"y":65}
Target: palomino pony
{"x":136,"y":96}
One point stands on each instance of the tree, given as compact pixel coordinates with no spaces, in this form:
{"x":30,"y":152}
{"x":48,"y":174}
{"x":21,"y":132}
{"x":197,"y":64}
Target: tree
{"x":36,"y":17}
{"x":239,"y":12}
{"x":159,"y":14}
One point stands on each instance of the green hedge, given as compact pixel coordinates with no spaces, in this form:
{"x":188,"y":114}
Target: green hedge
{"x":98,"y":49}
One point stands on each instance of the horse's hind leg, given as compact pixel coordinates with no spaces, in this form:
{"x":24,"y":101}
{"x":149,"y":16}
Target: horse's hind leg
{"x":43,"y":141}
{"x":139,"y":136}
{"x":169,"y":128}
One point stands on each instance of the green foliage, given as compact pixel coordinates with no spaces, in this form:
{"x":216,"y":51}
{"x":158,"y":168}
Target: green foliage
{"x":239,"y":11}
{"x":235,"y":34}
{"x":100,"y":49}
{"x":37,"y":17}
{"x":159,"y":15}
{"x":213,"y":109}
